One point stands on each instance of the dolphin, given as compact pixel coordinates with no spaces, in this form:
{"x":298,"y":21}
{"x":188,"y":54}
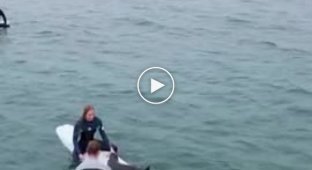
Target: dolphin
{"x":115,"y":165}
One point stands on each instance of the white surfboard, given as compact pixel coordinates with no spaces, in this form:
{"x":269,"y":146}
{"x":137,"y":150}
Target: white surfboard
{"x":66,"y":133}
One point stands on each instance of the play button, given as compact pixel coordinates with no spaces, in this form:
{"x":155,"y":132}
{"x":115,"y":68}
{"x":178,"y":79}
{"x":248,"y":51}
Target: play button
{"x":155,"y":85}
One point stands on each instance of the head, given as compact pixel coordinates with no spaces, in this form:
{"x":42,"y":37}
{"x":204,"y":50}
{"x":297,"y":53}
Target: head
{"x":88,"y":113}
{"x":93,"y":148}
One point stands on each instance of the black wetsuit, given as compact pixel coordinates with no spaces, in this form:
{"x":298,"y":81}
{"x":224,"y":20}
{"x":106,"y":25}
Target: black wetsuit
{"x":84,"y":132}
{"x":4,"y":18}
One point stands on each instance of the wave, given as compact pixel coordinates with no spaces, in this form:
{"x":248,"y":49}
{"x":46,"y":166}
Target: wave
{"x":236,"y":20}
{"x":264,"y":44}
{"x":143,"y":22}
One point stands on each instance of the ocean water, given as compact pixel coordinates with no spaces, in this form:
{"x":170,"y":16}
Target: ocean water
{"x":242,"y":70}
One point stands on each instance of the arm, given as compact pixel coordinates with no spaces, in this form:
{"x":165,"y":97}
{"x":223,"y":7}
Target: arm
{"x":76,"y":136}
{"x":102,"y":133}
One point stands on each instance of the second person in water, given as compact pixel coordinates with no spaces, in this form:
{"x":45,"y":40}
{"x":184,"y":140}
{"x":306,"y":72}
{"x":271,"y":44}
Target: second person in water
{"x":84,"y":132}
{"x":3,"y":17}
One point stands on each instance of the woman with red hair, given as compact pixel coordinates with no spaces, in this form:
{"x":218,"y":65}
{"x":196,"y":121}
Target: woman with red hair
{"x":84,"y":131}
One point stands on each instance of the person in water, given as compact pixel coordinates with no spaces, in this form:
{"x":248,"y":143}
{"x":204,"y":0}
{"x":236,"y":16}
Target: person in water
{"x":84,"y":132}
{"x":90,"y":160}
{"x":3,"y":18}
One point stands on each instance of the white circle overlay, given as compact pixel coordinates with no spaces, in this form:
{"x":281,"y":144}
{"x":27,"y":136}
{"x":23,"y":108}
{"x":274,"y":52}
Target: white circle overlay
{"x":155,"y":68}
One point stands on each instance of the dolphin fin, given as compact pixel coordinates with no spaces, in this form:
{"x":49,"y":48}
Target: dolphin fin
{"x":147,"y":168}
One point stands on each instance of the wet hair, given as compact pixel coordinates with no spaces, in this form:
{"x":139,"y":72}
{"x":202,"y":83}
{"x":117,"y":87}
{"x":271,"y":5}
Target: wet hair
{"x":86,"y":109}
{"x":93,"y":147}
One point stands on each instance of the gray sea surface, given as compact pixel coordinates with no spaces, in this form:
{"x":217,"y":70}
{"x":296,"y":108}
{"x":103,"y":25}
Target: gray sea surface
{"x":243,"y":98}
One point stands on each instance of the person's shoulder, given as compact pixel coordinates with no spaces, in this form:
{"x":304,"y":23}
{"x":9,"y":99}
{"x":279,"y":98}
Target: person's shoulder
{"x":97,"y":119}
{"x":92,"y":164}
{"x":103,"y":166}
{"x":83,"y":166}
